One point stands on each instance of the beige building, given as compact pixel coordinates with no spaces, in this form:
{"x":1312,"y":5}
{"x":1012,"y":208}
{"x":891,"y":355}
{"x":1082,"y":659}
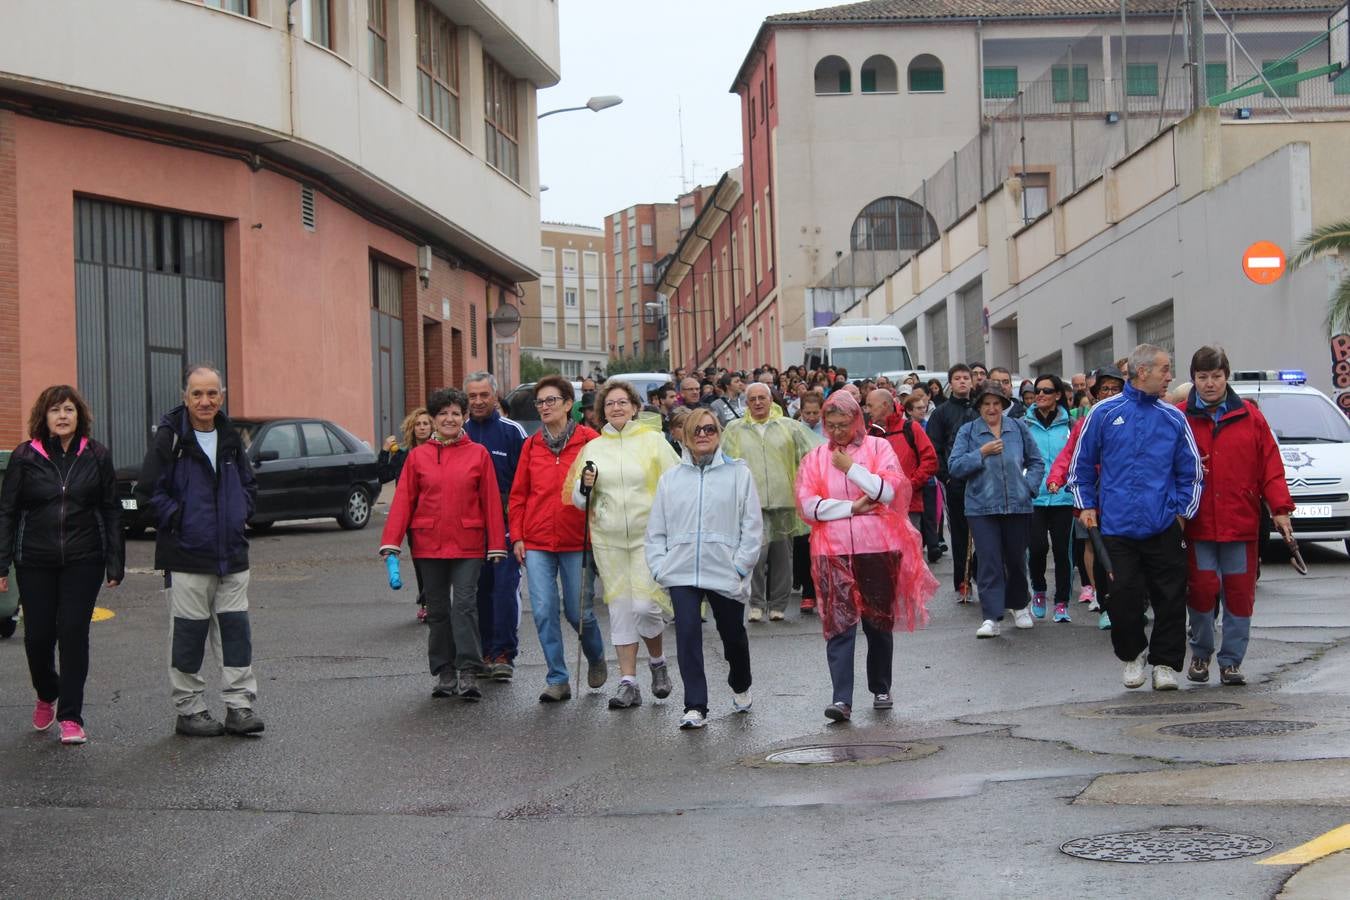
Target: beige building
{"x":564,"y":321}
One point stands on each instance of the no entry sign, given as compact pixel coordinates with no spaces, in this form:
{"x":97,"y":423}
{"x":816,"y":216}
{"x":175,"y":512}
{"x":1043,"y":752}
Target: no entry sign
{"x":1263,"y":262}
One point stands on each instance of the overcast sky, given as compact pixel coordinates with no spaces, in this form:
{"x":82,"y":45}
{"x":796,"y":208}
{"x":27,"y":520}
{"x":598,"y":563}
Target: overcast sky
{"x":658,"y":55}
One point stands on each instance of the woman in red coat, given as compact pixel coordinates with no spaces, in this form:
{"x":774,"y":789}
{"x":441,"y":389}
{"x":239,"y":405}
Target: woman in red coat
{"x":448,"y":505}
{"x":1242,"y":469}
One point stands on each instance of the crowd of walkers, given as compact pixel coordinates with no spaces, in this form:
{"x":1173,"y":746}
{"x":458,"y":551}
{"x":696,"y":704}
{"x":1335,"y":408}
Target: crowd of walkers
{"x":723,"y":493}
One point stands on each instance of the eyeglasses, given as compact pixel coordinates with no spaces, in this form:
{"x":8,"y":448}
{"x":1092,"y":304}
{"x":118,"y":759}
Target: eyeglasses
{"x":547,"y":402}
{"x":838,"y":426}
{"x":1108,"y":391}
{"x":616,"y":404}
{"x":1046,"y":390}
{"x":705,"y":431}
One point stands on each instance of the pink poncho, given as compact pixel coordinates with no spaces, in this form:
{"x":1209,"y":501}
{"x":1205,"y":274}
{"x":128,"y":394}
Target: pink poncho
{"x":868,"y":566}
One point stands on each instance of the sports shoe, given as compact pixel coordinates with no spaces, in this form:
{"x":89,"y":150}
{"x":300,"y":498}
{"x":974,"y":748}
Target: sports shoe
{"x":44,"y":714}
{"x":1088,"y":594}
{"x":1232,"y":676}
{"x":808,"y":606}
{"x":242,"y":720}
{"x":1062,"y":612}
{"x":691,"y":719}
{"x":501,"y":669}
{"x":468,"y":686}
{"x":988,"y":629}
{"x":741,"y":702}
{"x":1095,"y":605}
{"x":627,"y":696}
{"x":1198,"y":670}
{"x":447,"y":685}
{"x":1134,"y":671}
{"x":1022,"y":618}
{"x":422,"y":614}
{"x":1164,"y":678}
{"x":934,"y":555}
{"x":756,"y":615}
{"x":882,"y":701}
{"x":1038,"y":604}
{"x":198,"y":725}
{"x":839,"y":711}
{"x":555,"y":693}
{"x":1103,"y":621}
{"x":597,"y":673}
{"x":72,"y":733}
{"x":776,"y":616}
{"x":660,"y":681}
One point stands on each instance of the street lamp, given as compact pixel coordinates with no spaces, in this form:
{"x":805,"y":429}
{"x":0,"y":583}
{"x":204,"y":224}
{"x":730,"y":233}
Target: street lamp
{"x":595,"y":104}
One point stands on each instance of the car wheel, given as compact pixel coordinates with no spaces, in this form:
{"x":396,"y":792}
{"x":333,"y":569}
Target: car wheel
{"x":7,"y":627}
{"x":260,"y":527}
{"x":356,"y":511}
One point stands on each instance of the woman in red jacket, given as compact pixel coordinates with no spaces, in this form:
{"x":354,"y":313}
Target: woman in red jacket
{"x":550,"y":535}
{"x":448,"y":505}
{"x":1242,"y":468}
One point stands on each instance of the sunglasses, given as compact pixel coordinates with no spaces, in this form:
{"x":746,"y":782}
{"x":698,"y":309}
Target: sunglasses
{"x":705,"y":431}
{"x":1046,"y":390}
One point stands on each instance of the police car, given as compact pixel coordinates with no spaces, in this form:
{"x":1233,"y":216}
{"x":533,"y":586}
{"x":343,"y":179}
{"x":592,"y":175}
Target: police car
{"x":1314,"y":438}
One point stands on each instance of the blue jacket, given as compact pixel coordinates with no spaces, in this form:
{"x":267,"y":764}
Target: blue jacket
{"x":503,"y":438}
{"x":1050,"y":440}
{"x":1149,"y":466}
{"x":1002,"y":484}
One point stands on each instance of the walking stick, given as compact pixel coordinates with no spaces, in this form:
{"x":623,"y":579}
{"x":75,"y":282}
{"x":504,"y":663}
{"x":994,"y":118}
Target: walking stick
{"x":1099,"y":547}
{"x":585,"y":564}
{"x":963,"y":592}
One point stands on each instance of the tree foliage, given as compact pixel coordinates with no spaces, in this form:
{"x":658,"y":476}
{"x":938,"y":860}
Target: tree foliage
{"x":1333,"y":238}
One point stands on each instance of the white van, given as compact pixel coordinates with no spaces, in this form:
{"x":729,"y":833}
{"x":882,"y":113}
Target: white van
{"x":863,"y":349}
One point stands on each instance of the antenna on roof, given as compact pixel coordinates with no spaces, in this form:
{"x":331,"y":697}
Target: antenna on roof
{"x":679,"y":117}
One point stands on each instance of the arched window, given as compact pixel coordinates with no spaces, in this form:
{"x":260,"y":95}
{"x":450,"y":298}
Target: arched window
{"x":879,"y":76}
{"x":833,"y":76}
{"x":893,"y":223}
{"x":925,"y":74}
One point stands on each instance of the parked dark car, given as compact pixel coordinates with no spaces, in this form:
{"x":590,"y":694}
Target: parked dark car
{"x":306,"y":469}
{"x":519,"y":405}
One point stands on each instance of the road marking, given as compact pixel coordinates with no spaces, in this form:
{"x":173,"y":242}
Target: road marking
{"x":1333,"y":841}
{"x":101,"y":614}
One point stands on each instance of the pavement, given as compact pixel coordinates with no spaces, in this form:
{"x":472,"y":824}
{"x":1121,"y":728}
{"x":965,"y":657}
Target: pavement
{"x":997,"y":752}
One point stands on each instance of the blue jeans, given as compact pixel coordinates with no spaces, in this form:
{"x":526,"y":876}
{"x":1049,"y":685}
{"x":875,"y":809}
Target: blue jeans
{"x":1001,"y":544}
{"x":543,"y":570}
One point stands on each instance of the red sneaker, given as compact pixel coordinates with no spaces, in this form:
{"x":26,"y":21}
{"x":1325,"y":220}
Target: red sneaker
{"x":808,"y":605}
{"x":422,"y":614}
{"x":44,"y":714}
{"x":72,"y":733}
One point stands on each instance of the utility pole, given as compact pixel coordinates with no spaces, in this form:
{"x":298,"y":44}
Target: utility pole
{"x":1195,"y":19}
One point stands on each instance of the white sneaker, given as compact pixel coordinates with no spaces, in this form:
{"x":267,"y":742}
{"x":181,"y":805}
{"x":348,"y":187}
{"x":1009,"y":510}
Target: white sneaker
{"x":989,"y":629}
{"x":756,"y":615}
{"x":1134,"y":672}
{"x":691,"y":719}
{"x":741,"y":702}
{"x":1164,"y":678}
{"x":1022,"y":618}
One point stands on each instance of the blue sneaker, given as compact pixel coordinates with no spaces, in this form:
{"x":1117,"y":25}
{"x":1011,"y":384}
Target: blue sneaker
{"x":1062,"y":612}
{"x":1038,"y":604}
{"x":1104,"y":621}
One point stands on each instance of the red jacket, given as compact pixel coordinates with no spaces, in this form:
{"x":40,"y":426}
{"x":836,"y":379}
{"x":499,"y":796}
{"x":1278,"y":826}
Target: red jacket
{"x":918,"y":467}
{"x":1242,"y":468}
{"x":538,"y":515}
{"x":447,"y":503}
{"x":1059,"y":471}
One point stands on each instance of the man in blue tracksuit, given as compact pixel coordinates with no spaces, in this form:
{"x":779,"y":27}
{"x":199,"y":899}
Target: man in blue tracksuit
{"x":1136,"y":473}
{"x":499,"y":582}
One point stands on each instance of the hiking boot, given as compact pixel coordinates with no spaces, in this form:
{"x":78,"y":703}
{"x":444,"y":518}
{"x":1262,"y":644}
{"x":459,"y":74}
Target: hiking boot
{"x":555,"y":693}
{"x":501,"y":669}
{"x":1038,"y":604}
{"x":691,"y":719}
{"x":660,"y":681}
{"x":883,"y":701}
{"x":199,"y":725}
{"x":242,"y":720}
{"x":597,"y":673}
{"x":1164,"y":678}
{"x":447,"y":685}
{"x":1232,"y":676}
{"x":1198,"y":671}
{"x":1133,"y":676}
{"x":468,"y":687}
{"x":839,"y":711}
{"x":72,"y":733}
{"x":44,"y":715}
{"x":627,"y":696}
{"x":1062,"y":612}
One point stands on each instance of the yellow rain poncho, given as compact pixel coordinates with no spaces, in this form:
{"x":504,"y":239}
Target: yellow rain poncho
{"x":773,"y":449}
{"x":628,"y":465}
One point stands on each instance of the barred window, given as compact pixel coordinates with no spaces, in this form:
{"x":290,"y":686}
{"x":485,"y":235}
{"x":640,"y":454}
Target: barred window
{"x":437,"y":69}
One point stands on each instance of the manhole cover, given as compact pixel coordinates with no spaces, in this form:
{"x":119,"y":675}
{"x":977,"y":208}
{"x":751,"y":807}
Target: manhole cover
{"x":1166,"y":845}
{"x":1170,"y":709}
{"x":835,"y":753}
{"x":1236,"y":728}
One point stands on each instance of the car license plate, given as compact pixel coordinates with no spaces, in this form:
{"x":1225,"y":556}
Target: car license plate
{"x":129,"y":503}
{"x":1313,"y":511}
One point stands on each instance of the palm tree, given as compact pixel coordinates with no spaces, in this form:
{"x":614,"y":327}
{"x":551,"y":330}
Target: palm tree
{"x":1333,"y":238}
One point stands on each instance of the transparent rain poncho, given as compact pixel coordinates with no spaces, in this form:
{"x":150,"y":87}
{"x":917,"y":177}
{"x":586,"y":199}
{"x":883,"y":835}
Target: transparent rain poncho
{"x":628,"y":465}
{"x":773,"y":450}
{"x":868,"y":566}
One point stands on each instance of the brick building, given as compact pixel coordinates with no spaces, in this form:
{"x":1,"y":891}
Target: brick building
{"x":564,"y":321}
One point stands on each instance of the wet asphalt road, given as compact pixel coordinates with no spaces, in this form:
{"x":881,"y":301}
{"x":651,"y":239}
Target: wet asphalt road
{"x":364,"y":786}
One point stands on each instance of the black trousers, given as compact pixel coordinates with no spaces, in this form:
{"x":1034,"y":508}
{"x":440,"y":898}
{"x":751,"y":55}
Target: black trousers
{"x":1153,"y":569}
{"x":839,"y":654}
{"x":930,"y":527}
{"x":960,"y":529}
{"x":730,"y":618}
{"x":58,"y":603}
{"x":801,"y":566}
{"x":452,"y":614}
{"x":1051,"y":527}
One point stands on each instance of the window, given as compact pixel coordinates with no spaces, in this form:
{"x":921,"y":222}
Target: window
{"x":377,"y":27}
{"x":735,"y":269}
{"x":1141,"y":80}
{"x":970,"y":303}
{"x":234,"y":6}
{"x":573,"y":334}
{"x":318,"y":22}
{"x":570,"y":298}
{"x":592,"y":336}
{"x":1035,"y":195}
{"x":1097,"y":352}
{"x":283,"y":440}
{"x":1156,"y":328}
{"x":548,"y":333}
{"x":759,"y":256}
{"x":546,"y":261}
{"x":500,"y":116}
{"x":648,"y":274}
{"x":1000,"y":82}
{"x":833,"y":76}
{"x":592,"y":300}
{"x":772,"y":86}
{"x":1216,"y":79}
{"x":893,"y":223}
{"x":618,"y":228}
{"x":925,"y":74}
{"x":632,"y":274}
{"x":317,"y":441}
{"x":1059,"y":84}
{"x":768,"y":231}
{"x":646,"y":235}
{"x":569,"y":258}
{"x":741,"y":264}
{"x":879,"y":76}
{"x":687,"y":215}
{"x":1275,"y":69}
{"x":473,"y":329}
{"x":632,"y":234}
{"x":548,"y":299}
{"x":437,"y":69}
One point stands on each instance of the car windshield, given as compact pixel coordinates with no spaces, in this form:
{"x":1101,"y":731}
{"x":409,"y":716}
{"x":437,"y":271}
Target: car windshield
{"x":520,"y":405}
{"x":864,"y":361}
{"x":1304,"y":419}
{"x":246,"y":430}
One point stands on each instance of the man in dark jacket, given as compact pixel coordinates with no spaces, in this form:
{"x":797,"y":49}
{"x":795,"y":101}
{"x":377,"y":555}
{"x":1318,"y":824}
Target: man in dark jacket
{"x":943,"y":425}
{"x":198,"y":482}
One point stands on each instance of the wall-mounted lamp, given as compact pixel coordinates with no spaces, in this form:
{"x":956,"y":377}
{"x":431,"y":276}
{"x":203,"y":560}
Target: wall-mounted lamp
{"x":1243,"y":112}
{"x":1112,"y":118}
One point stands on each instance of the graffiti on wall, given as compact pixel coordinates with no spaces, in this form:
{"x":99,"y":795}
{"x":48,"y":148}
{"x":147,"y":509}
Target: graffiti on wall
{"x":1340,"y":371}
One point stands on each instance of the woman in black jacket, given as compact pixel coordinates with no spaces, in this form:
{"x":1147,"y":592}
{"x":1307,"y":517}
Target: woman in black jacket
{"x":60,"y":525}
{"x":417,"y":427}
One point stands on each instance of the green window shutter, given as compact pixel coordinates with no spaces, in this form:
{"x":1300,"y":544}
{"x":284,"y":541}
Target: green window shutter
{"x":1059,"y":84}
{"x":845,"y":82}
{"x":1216,"y":79}
{"x":869,"y":81}
{"x":925,"y":80}
{"x":1341,"y":86}
{"x":1000,"y":82}
{"x":1274,"y":69}
{"x":1141,"y":80}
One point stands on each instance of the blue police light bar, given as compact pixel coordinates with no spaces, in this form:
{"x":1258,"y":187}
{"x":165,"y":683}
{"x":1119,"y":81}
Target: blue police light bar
{"x":1293,"y":376}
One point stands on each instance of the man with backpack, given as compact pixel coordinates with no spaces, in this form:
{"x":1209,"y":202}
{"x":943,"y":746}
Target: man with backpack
{"x":918,"y":459}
